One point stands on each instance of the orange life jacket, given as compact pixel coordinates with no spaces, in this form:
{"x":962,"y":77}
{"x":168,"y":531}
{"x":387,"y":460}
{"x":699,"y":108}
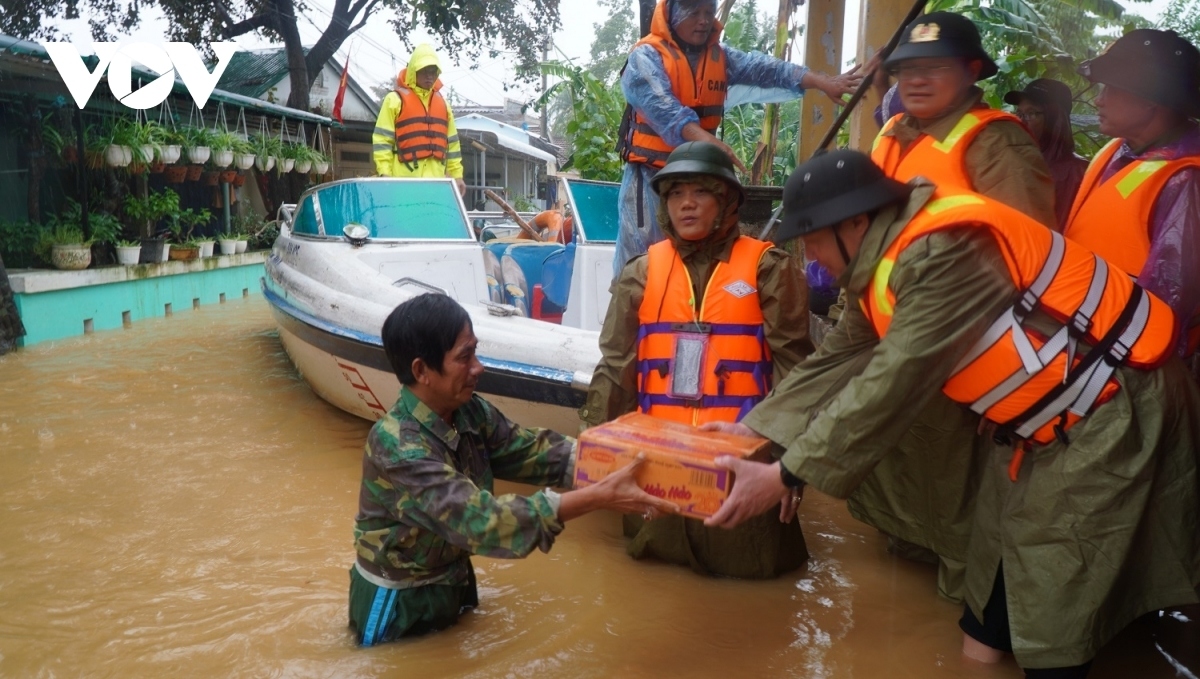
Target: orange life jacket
{"x":702,"y":91}
{"x":1014,"y":375}
{"x":942,"y":162}
{"x":736,"y":367}
{"x":421,"y":132}
{"x":1112,"y":218}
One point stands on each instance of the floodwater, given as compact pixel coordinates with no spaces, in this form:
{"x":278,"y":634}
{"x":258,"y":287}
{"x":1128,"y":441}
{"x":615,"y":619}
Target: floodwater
{"x":176,"y":502}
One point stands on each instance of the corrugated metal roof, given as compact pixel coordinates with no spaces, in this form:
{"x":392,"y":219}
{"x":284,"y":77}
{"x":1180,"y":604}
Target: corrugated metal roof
{"x":252,"y":72}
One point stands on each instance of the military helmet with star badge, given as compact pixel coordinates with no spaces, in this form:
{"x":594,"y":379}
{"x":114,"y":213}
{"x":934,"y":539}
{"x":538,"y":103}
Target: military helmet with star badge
{"x":942,"y":34}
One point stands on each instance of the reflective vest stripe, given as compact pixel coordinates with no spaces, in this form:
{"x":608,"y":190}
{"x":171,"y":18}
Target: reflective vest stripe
{"x":942,"y":162}
{"x":1113,"y":217}
{"x":1012,"y":375}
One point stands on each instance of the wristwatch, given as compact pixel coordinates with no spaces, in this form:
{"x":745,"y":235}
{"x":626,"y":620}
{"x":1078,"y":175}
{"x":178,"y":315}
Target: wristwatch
{"x":789,"y":479}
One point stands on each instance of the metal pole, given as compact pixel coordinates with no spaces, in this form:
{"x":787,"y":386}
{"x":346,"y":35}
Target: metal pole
{"x":81,"y":178}
{"x":225,"y":205}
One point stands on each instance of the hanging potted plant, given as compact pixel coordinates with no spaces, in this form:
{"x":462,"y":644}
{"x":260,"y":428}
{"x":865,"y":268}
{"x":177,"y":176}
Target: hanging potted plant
{"x":243,"y":153}
{"x":171,"y":147}
{"x":60,"y":142}
{"x":222,"y":149}
{"x":266,"y":150}
{"x":197,"y":144}
{"x":121,"y":139}
{"x":288,"y":153}
{"x":320,"y":162}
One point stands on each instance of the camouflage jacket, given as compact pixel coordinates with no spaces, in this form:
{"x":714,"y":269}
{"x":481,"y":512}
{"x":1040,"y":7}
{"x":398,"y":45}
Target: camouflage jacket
{"x":426,"y":501}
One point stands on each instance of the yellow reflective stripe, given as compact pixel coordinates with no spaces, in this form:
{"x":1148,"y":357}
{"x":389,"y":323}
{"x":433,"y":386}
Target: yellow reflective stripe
{"x":961,"y":129}
{"x":1138,"y":175}
{"x":879,"y":285}
{"x":943,"y":204}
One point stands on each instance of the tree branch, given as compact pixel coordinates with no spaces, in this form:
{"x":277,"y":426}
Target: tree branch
{"x":251,"y":24}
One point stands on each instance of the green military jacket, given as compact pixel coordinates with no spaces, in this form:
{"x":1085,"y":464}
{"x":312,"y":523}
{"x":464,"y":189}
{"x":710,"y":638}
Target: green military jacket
{"x":426,"y":501}
{"x":1092,"y":535}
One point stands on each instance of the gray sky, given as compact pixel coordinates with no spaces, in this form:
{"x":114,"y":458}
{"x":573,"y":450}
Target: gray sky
{"x":376,"y":55}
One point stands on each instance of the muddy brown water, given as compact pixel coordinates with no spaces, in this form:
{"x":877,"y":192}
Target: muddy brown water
{"x":176,"y":502}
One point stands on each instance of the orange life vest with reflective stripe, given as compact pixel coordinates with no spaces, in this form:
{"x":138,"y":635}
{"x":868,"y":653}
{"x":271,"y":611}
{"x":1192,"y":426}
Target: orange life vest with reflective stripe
{"x":1016,"y":376}
{"x":421,"y":132}
{"x":725,"y":338}
{"x":1112,"y":218}
{"x":942,"y":162}
{"x":702,"y":91}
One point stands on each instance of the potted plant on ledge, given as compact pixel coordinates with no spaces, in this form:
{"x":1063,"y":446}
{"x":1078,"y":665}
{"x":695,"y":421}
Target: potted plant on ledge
{"x":145,"y":212}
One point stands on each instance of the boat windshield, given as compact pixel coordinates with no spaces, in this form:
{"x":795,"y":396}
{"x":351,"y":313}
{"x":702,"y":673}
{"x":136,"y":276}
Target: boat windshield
{"x":401,"y":209}
{"x":595,"y":205}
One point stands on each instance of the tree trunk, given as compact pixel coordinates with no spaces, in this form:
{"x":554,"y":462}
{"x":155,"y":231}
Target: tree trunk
{"x":285,"y":18}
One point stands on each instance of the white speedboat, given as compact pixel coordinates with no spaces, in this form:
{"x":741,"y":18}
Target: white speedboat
{"x":350,"y":251}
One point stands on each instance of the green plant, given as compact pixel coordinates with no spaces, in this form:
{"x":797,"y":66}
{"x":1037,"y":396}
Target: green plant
{"x":194,"y":137}
{"x":184,"y":223}
{"x":595,"y":117}
{"x":263,"y":236}
{"x":128,"y":243}
{"x":105,"y":228}
{"x":149,"y":210}
{"x":225,"y":141}
{"x":266,"y":145}
{"x":19,"y":243}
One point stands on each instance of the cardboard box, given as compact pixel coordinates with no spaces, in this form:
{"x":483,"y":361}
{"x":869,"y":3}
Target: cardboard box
{"x":679,"y":462}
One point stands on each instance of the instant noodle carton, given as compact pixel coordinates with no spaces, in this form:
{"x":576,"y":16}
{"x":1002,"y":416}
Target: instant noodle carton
{"x":679,"y":459}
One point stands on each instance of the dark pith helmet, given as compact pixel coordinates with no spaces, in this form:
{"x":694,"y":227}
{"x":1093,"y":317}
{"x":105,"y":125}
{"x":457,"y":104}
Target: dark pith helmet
{"x":699,"y":157}
{"x":1043,"y":92}
{"x":833,"y":187}
{"x":942,"y":34}
{"x":1155,"y":65}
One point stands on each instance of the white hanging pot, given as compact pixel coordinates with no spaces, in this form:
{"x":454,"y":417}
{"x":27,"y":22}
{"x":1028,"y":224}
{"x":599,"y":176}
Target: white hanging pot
{"x":243,"y":161}
{"x":303,"y":166}
{"x":264,"y":164}
{"x":198,"y":155}
{"x":286,"y":164}
{"x":169,"y":153}
{"x":322,"y":166}
{"x":114,"y":156}
{"x":222,"y":158}
{"x":127,"y":155}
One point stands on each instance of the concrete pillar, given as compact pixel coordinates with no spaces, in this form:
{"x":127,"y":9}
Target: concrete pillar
{"x":879,"y":20}
{"x":822,"y":52}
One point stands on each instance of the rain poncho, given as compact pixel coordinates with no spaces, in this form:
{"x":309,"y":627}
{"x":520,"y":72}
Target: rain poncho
{"x":761,"y":548}
{"x":752,"y":77}
{"x":1172,"y":270}
{"x":1092,"y":534}
{"x":383,"y":141}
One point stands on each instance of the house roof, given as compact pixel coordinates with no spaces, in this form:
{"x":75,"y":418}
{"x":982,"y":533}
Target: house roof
{"x":252,"y":72}
{"x":30,"y":59}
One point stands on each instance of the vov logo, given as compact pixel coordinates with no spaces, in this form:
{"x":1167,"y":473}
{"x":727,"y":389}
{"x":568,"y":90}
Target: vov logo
{"x":118,"y":58}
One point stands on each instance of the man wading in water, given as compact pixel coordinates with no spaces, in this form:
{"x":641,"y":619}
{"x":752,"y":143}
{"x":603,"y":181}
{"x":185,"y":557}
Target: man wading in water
{"x":426,"y":502}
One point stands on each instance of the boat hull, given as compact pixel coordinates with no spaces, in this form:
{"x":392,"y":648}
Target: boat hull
{"x":351,"y":371}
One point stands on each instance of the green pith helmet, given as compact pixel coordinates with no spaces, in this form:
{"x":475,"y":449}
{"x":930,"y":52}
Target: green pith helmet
{"x":833,"y":187}
{"x":699,"y":157}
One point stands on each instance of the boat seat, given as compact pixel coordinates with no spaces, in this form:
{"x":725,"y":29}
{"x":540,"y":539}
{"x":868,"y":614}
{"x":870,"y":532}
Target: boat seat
{"x":522,"y":266}
{"x":557,"y":270}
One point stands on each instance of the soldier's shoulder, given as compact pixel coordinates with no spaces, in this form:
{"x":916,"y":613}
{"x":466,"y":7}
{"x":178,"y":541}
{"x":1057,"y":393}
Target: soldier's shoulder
{"x":398,"y":438}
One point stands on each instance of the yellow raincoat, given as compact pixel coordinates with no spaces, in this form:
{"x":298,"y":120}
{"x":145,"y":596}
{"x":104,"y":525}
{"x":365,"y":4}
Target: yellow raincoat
{"x":383,"y":141}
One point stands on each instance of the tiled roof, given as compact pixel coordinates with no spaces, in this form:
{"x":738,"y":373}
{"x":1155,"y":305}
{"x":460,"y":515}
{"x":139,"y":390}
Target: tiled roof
{"x":251,"y":73}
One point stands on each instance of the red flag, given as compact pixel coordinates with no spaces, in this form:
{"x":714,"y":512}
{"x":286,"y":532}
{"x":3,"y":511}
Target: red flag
{"x":341,"y":93}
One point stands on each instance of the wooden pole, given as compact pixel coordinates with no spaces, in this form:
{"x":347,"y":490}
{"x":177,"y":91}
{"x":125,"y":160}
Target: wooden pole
{"x":822,"y":52}
{"x":764,"y":156}
{"x":879,"y":21}
{"x":508,"y":210}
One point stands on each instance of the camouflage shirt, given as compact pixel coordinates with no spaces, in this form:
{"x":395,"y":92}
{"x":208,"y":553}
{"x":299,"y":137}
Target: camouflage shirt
{"x":426,"y":501}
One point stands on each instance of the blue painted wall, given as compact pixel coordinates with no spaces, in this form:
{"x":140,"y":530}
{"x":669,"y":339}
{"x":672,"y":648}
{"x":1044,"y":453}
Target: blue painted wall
{"x":61,"y":313}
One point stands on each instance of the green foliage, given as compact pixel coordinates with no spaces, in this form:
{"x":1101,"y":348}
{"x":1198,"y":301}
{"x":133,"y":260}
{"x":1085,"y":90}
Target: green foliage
{"x":748,"y":31}
{"x":154,"y":207}
{"x":105,"y":228}
{"x":19,"y":244}
{"x":194,"y":137}
{"x":595,"y":117}
{"x":1183,"y":17}
{"x":613,"y":39}
{"x":264,"y":145}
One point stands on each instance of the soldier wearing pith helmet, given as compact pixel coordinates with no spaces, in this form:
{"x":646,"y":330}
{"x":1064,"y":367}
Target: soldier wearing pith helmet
{"x":1086,"y":512}
{"x":1139,"y":203}
{"x":948,"y":134}
{"x":739,"y":308}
